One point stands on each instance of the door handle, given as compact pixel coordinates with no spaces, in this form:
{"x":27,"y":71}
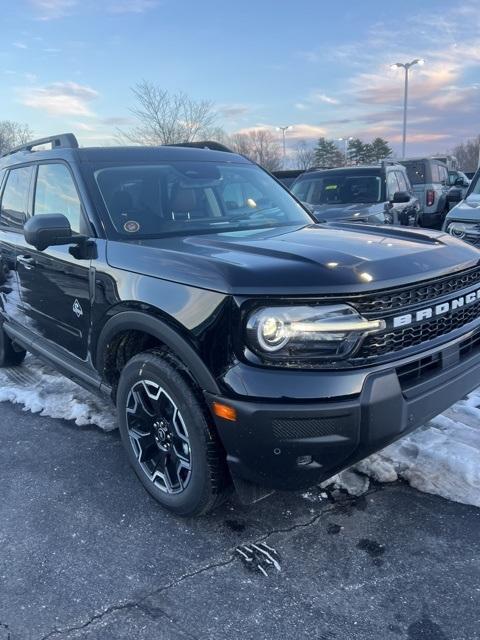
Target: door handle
{"x":27,"y":261}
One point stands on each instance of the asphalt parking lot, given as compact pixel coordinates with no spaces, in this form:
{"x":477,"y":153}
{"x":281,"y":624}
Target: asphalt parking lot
{"x":86,"y":553}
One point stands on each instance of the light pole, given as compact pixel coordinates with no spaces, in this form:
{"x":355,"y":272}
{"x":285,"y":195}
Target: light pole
{"x":284,"y":131}
{"x":406,"y":66}
{"x":346,"y":141}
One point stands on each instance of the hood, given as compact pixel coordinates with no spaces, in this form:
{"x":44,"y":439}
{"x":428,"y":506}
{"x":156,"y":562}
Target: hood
{"x":310,"y":260}
{"x":467,"y":210}
{"x":331,"y":212}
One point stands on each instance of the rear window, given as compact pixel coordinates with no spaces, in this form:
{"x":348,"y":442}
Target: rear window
{"x":416,"y":172}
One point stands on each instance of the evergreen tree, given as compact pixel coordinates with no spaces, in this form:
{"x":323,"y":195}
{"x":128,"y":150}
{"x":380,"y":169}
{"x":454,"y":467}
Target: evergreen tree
{"x":356,"y":151}
{"x":327,"y":154}
{"x":380,"y":150}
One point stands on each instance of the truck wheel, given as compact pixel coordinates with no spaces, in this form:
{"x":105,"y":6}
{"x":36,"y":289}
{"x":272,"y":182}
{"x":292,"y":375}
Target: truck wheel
{"x":9,"y":357}
{"x":165,"y":431}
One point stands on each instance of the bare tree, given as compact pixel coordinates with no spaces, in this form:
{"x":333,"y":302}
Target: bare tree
{"x":304,"y":156}
{"x":13,"y":134}
{"x":260,"y":146}
{"x":169,"y":118}
{"x":468,"y":154}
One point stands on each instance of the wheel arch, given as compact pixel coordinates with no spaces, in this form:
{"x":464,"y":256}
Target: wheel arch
{"x":159,"y":330}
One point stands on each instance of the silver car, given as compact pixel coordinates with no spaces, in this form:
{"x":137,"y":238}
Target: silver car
{"x":463,"y":221}
{"x":429,"y":180}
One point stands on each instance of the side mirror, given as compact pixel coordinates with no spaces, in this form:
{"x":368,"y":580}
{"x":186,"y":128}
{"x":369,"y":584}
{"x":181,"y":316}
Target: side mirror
{"x":460,"y":182}
{"x":454,"y":195}
{"x":46,"y":230}
{"x":401,"y":197}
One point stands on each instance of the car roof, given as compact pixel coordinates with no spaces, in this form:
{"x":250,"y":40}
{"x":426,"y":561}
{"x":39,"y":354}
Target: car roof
{"x":423,"y":159}
{"x":124,"y":154}
{"x":360,"y":168}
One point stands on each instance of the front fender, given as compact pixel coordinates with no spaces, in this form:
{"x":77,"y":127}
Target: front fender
{"x":139,"y":321}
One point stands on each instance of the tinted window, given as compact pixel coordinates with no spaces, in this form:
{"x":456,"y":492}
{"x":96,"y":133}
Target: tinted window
{"x":344,"y":188}
{"x":56,"y":193}
{"x":415,"y":171}
{"x":185,"y":197}
{"x":15,"y":198}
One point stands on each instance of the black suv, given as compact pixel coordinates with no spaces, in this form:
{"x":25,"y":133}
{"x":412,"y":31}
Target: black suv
{"x":239,"y":340}
{"x":376,"y":194}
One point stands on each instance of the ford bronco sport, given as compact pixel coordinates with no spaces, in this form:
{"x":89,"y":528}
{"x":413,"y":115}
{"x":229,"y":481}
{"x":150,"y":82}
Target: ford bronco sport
{"x":239,"y":340}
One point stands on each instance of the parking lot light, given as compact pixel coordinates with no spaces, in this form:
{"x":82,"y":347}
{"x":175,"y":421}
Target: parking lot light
{"x":406,"y":66}
{"x":284,"y":131}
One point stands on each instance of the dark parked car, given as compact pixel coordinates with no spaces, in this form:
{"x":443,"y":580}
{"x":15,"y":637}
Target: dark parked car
{"x":239,"y":340}
{"x":287,"y":176}
{"x":377,"y":195}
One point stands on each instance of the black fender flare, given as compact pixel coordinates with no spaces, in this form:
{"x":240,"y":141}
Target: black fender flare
{"x":138,"y":321}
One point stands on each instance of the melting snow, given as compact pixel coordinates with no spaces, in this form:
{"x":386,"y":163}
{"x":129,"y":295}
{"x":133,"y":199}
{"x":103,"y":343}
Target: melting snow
{"x":442,"y":458}
{"x":41,"y":390}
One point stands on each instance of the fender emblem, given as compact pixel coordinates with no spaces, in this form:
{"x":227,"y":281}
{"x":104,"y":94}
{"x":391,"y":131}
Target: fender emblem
{"x":77,"y":308}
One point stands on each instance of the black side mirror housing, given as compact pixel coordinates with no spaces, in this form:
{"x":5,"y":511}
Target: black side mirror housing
{"x":46,"y":230}
{"x":401,"y":197}
{"x":454,"y":195}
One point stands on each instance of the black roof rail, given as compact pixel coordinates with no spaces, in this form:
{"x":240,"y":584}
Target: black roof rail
{"x":62,"y":140}
{"x":385,"y":162}
{"x":203,"y":144}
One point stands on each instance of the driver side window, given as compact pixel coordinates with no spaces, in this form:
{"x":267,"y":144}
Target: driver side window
{"x":56,"y":193}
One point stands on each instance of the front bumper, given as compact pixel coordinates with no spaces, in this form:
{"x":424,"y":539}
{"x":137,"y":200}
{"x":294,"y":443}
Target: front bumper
{"x":288,"y":443}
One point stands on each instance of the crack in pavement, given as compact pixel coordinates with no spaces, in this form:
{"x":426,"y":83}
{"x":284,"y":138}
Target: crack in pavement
{"x":154,"y":612}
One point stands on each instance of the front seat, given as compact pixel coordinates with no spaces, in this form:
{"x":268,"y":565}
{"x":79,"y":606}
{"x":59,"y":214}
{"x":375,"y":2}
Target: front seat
{"x":185,"y":205}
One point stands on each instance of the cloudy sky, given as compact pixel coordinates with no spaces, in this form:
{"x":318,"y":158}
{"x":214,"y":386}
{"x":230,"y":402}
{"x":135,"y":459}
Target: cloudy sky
{"x":323,"y":67}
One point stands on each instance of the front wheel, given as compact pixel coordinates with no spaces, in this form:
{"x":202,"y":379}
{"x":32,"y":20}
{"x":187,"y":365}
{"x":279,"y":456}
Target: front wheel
{"x":169,"y":442}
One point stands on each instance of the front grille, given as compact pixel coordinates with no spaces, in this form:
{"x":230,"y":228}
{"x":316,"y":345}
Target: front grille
{"x":419,"y":370}
{"x":290,"y":428}
{"x":390,"y":341}
{"x":389,"y":300}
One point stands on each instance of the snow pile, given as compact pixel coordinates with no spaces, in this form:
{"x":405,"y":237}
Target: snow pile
{"x":41,"y":390}
{"x":441,"y":458}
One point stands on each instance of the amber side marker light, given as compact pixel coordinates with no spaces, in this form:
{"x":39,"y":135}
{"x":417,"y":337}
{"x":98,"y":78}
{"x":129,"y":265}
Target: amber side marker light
{"x":224,"y":411}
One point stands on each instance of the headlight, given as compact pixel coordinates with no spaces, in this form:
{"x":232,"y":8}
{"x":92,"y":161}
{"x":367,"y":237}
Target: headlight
{"x":282,"y":333}
{"x":468,"y":231}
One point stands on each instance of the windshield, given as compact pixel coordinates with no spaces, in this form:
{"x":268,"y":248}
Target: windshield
{"x":185,"y":197}
{"x":339,"y":189}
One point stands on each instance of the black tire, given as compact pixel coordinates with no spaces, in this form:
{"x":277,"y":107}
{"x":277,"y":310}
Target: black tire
{"x":9,"y":357}
{"x":148,"y":427}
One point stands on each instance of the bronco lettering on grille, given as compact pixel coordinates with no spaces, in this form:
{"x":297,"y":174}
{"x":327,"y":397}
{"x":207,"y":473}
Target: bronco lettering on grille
{"x":437,"y":310}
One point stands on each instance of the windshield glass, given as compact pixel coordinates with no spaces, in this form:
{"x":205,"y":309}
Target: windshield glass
{"x":342,"y":188}
{"x":185,"y":197}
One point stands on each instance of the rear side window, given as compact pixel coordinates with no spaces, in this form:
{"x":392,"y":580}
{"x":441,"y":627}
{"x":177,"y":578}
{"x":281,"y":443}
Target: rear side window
{"x":416,"y":172}
{"x":56,"y":193}
{"x":15,"y":198}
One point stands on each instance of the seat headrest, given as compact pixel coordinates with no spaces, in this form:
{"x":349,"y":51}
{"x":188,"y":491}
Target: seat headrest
{"x":184,"y":201}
